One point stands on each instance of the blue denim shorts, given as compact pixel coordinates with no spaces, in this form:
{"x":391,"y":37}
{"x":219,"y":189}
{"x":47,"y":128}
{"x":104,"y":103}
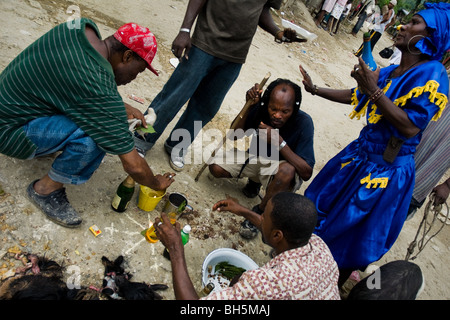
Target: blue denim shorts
{"x":80,"y":156}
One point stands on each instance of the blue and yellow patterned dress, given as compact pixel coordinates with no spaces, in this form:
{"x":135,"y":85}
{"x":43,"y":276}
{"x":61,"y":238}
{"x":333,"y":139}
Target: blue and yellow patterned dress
{"x":362,"y":200}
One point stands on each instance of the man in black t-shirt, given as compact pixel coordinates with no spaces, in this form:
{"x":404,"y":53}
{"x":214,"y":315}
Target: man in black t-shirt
{"x":281,"y":154}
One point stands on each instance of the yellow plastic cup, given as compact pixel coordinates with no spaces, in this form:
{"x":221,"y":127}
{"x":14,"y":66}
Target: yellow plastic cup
{"x":149,"y":198}
{"x":150,"y":235}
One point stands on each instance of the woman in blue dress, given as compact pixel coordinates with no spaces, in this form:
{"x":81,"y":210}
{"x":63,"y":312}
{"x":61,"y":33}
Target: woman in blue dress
{"x":363,"y":193}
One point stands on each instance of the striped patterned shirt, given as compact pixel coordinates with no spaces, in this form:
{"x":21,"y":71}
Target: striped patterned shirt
{"x":61,"y":73}
{"x":432,"y":156}
{"x":305,"y":273}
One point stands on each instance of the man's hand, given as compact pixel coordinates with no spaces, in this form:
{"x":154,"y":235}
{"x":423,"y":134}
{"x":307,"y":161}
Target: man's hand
{"x":168,"y":234}
{"x":253,"y":94}
{"x":288,"y":35}
{"x":182,"y":43}
{"x":269,"y":134}
{"x":164,"y":181}
{"x":366,"y":78}
{"x":229,"y":204}
{"x":232,"y":205}
{"x":441,"y":193}
{"x":170,"y":237}
{"x":133,"y":113}
{"x":307,"y":81}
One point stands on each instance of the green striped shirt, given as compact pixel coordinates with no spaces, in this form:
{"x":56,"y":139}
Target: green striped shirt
{"x":61,"y":73}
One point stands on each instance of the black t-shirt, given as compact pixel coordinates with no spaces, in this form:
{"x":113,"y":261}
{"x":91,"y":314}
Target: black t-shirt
{"x":225,"y":28}
{"x":298,"y":133}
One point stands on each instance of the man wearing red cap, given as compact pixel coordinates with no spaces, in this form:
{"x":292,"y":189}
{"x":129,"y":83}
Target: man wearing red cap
{"x":60,"y":94}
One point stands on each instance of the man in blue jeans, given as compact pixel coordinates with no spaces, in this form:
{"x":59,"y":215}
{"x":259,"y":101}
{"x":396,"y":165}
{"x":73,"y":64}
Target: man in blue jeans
{"x":60,"y":94}
{"x":212,"y":60}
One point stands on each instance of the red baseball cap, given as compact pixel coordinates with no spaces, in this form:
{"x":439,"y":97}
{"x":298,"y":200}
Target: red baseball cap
{"x":140,"y":40}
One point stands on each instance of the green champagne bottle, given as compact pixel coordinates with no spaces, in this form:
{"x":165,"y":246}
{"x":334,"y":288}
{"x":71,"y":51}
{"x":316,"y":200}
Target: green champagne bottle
{"x":123,"y":195}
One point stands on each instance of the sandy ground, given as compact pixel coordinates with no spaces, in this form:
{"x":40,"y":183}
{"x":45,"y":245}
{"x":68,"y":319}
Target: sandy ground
{"x":328,"y":59}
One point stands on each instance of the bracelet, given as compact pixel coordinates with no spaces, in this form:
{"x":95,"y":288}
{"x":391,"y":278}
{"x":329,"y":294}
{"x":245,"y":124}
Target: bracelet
{"x":282,"y":144}
{"x":185,"y":30}
{"x":376,"y":95}
{"x":314,"y":92}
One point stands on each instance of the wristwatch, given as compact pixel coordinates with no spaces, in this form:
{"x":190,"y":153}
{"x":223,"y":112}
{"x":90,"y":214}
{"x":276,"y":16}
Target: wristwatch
{"x":282,"y":144}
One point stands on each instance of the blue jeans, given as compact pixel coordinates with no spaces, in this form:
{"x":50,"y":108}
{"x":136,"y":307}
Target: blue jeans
{"x":80,"y":155}
{"x":204,"y":80}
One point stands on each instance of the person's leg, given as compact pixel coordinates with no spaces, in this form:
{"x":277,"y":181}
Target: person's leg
{"x":251,"y":189}
{"x":330,"y":23}
{"x":374,"y":39}
{"x":207,"y":99}
{"x":176,"y":92}
{"x":283,"y":180}
{"x":338,"y":24}
{"x":319,"y":18}
{"x":79,"y":159}
{"x":46,"y":185}
{"x":228,"y":164}
{"x":413,"y":207}
{"x":238,"y":167}
{"x":202,"y":107}
{"x":358,"y":25}
{"x":80,"y":155}
{"x":219,"y":172}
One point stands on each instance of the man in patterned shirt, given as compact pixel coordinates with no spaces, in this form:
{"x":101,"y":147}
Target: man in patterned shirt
{"x":303,"y":267}
{"x":60,"y":94}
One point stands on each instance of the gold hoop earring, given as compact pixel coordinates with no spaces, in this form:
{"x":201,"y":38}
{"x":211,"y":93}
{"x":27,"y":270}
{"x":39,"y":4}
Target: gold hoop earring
{"x":409,"y":50}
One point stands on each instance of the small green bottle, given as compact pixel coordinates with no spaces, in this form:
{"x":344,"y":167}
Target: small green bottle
{"x":184,"y":239}
{"x":185,"y":234}
{"x":123,"y":195}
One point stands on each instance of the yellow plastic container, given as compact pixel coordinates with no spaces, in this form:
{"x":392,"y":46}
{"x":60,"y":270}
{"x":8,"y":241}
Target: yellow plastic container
{"x":149,"y":198}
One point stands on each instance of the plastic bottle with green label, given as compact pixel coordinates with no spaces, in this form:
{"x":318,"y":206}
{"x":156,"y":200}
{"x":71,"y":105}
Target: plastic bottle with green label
{"x":184,"y":238}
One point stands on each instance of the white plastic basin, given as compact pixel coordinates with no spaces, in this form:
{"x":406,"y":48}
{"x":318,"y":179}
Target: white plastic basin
{"x":231,"y":256}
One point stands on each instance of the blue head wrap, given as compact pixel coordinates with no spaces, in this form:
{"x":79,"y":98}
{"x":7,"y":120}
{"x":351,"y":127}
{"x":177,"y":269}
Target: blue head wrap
{"x":437,"y":18}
